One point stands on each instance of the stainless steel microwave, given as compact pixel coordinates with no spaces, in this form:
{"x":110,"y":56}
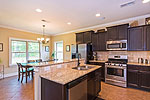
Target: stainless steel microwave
{"x":116,"y":45}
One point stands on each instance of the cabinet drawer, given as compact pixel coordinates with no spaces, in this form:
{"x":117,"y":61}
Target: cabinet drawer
{"x":133,"y":67}
{"x":144,"y":68}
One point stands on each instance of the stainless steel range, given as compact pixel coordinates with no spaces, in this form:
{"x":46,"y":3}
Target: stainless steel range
{"x":116,"y":69}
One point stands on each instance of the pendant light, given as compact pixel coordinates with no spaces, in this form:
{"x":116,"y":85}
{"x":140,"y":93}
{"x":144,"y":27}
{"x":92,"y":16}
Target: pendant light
{"x":43,"y":40}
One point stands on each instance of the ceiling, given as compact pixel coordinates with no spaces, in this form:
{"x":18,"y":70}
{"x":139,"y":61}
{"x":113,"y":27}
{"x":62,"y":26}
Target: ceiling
{"x":21,"y":14}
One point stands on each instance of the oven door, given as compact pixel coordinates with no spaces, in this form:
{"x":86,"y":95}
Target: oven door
{"x":116,"y":73}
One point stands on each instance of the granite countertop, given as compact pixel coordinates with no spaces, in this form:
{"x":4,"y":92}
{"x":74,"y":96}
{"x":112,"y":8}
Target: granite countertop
{"x":43,"y":64}
{"x":66,"y":75}
{"x":139,"y":64}
{"x":101,"y":61}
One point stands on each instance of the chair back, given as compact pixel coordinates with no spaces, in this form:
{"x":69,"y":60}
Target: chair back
{"x":20,"y":68}
{"x":39,"y":60}
{"x":30,"y":61}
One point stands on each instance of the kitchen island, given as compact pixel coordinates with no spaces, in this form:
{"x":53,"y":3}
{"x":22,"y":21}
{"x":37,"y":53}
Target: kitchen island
{"x":54,"y":81}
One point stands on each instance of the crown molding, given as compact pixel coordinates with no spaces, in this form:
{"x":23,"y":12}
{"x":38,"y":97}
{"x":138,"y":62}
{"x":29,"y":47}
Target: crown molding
{"x":17,"y":29}
{"x":106,"y":25}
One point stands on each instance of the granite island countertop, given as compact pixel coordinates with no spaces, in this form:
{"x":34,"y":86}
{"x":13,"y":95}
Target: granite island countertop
{"x":43,"y":64}
{"x":66,"y":75}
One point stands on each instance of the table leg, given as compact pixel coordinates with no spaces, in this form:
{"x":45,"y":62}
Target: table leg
{"x":26,"y":75}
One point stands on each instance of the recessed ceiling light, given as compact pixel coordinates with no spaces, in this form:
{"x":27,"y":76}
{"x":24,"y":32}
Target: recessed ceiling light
{"x":69,"y":23}
{"x":146,"y":1}
{"x":38,"y":10}
{"x":98,"y":15}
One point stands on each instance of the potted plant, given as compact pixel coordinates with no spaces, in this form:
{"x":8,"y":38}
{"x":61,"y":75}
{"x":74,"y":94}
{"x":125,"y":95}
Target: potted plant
{"x":53,"y":55}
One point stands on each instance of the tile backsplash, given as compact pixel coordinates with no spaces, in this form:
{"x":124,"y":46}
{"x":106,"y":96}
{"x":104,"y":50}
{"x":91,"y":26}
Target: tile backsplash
{"x":132,"y":55}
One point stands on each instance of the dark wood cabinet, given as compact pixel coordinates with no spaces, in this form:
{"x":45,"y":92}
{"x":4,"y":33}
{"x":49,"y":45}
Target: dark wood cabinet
{"x":79,"y":38}
{"x":102,"y":41}
{"x":99,"y":41}
{"x":95,"y":46}
{"x":138,"y":76}
{"x":112,"y":33}
{"x":117,"y":32}
{"x":94,"y":84}
{"x":84,"y":37}
{"x":136,"y":39}
{"x":87,"y":36}
{"x":147,"y":34}
{"x":102,"y":73}
{"x":133,"y":78}
{"x":122,"y":32}
{"x":139,"y":38}
{"x":145,"y":79}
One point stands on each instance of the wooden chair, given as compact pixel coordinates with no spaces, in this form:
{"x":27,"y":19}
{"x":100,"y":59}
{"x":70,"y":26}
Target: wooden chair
{"x":30,"y":61}
{"x":39,"y":60}
{"x":24,"y":70}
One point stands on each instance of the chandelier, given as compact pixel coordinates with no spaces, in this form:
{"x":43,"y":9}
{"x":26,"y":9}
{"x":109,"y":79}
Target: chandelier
{"x":43,"y":40}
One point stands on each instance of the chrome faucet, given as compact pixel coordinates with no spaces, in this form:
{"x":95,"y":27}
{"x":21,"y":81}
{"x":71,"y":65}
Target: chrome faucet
{"x":79,"y":56}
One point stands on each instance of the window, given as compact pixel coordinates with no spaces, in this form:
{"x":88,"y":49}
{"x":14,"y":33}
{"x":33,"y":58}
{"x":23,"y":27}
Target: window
{"x":59,"y":50}
{"x":33,"y":50}
{"x":21,"y":51}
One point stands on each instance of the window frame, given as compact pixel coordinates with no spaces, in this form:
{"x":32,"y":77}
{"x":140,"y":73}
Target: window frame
{"x":27,"y":53}
{"x":55,"y":49}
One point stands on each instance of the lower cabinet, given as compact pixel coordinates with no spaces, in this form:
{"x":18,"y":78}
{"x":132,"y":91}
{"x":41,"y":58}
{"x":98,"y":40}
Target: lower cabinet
{"x":138,"y":77}
{"x":94,"y":84}
{"x":102,"y":73}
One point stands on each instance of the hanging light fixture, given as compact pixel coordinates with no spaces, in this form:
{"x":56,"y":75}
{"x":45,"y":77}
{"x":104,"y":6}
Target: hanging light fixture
{"x":43,"y":40}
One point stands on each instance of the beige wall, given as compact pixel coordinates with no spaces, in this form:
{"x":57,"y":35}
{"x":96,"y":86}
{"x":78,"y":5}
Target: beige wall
{"x":67,"y":39}
{"x":5,"y":34}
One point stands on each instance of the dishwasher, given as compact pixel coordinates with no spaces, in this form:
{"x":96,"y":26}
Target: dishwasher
{"x":77,"y":89}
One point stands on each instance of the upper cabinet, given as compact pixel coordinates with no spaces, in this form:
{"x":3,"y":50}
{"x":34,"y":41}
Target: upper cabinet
{"x":79,"y":38}
{"x":84,"y":37}
{"x":99,"y":41}
{"x":147,"y":36}
{"x":139,"y":38}
{"x":117,"y":32}
{"x":136,"y":39}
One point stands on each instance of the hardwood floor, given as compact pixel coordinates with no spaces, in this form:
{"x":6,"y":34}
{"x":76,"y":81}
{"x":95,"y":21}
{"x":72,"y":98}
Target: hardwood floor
{"x":11,"y":89}
{"x":110,"y":92}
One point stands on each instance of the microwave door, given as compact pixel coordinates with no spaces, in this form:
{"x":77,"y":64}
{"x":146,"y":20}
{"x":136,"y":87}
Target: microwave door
{"x":114,"y":46}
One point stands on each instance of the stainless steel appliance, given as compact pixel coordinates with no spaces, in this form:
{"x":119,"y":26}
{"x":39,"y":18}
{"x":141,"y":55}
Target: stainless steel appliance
{"x":77,"y":90}
{"x":116,"y":45}
{"x":85,"y":51}
{"x":116,"y":70}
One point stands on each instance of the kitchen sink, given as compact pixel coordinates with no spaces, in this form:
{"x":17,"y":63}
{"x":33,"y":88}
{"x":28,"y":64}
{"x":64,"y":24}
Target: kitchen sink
{"x":83,"y":67}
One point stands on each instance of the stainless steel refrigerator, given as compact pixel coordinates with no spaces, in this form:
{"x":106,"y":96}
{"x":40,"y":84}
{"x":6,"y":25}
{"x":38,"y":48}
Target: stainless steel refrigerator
{"x":85,"y":50}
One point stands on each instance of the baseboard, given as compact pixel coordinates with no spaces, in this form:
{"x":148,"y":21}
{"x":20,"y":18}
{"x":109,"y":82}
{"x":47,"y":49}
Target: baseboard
{"x":10,"y":74}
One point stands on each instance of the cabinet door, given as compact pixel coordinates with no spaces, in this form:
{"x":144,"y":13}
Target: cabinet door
{"x":122,"y":32}
{"x":95,"y":46}
{"x":147,"y":32}
{"x":87,"y":37}
{"x":102,"y":41}
{"x":145,"y":79}
{"x":112,"y":33}
{"x":132,"y":79}
{"x":136,"y":39}
{"x":97,"y":85}
{"x":91,"y":89}
{"x":79,"y":38}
